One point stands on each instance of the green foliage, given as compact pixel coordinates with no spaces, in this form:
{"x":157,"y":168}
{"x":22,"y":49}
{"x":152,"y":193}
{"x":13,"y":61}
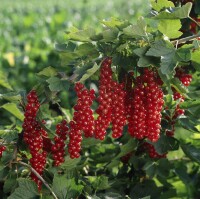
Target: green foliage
{"x":154,"y":41}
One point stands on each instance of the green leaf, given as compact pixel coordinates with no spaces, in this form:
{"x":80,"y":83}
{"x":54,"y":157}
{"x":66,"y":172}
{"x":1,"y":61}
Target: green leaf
{"x":4,"y":171}
{"x":183,"y":55}
{"x":12,"y":97}
{"x":70,"y":163}
{"x":12,"y":108}
{"x":195,"y":59}
{"x":115,"y":23}
{"x":187,"y":124}
{"x":168,"y":63}
{"x":184,"y":11}
{"x":8,"y":135}
{"x":4,"y":81}
{"x":27,"y":190}
{"x":192,"y":152}
{"x":89,"y":72}
{"x":166,"y":51}
{"x":56,"y":84}
{"x":165,"y":144}
{"x":80,"y":35}
{"x":136,"y":30}
{"x":48,"y":72}
{"x":87,"y":49}
{"x":66,"y":188}
{"x":110,"y":34}
{"x":144,"y":60}
{"x":99,"y":182}
{"x":179,"y":13}
{"x":189,"y":104}
{"x":161,"y":48}
{"x":170,"y":28}
{"x":9,"y":185}
{"x":127,"y":148}
{"x":150,"y":168}
{"x":160,"y":4}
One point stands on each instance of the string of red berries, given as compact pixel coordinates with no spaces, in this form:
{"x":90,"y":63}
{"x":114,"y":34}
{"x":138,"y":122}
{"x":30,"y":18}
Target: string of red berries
{"x":104,"y":109}
{"x":58,"y":148}
{"x":83,"y":120}
{"x":2,"y":149}
{"x":33,"y":136}
{"x":145,"y":114}
{"x":118,"y":109}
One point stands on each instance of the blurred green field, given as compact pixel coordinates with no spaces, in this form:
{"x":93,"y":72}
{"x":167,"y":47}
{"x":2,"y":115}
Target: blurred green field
{"x":30,"y":29}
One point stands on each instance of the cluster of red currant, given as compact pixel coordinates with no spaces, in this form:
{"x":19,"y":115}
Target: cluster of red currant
{"x":83,"y":120}
{"x":104,"y":109}
{"x":33,"y":136}
{"x":58,"y":148}
{"x":145,"y":114}
{"x":111,"y":101}
{"x":2,"y":149}
{"x":185,"y":79}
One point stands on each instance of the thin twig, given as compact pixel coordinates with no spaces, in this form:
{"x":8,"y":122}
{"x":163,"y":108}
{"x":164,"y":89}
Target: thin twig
{"x":194,"y":21}
{"x":185,"y":39}
{"x":39,"y":177}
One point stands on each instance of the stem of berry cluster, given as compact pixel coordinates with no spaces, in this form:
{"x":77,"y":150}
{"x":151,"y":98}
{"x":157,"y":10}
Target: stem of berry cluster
{"x":39,"y":177}
{"x":185,"y":39}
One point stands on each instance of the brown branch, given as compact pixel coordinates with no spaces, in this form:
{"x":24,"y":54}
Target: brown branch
{"x":39,"y":177}
{"x":185,"y":39}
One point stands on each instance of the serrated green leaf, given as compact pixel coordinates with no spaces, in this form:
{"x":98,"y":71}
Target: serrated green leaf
{"x":27,"y":190}
{"x":192,"y":152}
{"x":48,"y":72}
{"x":160,"y":4}
{"x":170,"y":28}
{"x":66,"y":188}
{"x":161,"y":48}
{"x":89,"y":72}
{"x":166,"y":51}
{"x":179,"y":13}
{"x":136,"y":30}
{"x":184,"y":11}
{"x":13,"y":109}
{"x":4,"y":81}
